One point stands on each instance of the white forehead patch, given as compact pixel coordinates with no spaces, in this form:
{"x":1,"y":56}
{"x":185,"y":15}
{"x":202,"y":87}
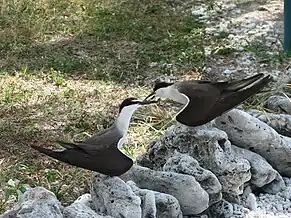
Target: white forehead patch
{"x":136,"y":101}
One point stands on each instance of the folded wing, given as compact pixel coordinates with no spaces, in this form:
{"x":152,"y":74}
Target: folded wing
{"x":209,"y":100}
{"x":109,"y":160}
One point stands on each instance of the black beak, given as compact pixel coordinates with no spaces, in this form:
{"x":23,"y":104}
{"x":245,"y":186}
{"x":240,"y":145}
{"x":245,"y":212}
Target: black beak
{"x":144,"y":102}
{"x":149,"y":99}
{"x":150,"y":96}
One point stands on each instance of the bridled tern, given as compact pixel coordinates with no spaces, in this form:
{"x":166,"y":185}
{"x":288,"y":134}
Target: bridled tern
{"x":205,"y":100}
{"x":101,"y":152}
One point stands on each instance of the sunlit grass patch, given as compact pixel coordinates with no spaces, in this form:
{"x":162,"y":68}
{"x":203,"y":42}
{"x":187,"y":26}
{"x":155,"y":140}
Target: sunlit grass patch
{"x":109,"y":40}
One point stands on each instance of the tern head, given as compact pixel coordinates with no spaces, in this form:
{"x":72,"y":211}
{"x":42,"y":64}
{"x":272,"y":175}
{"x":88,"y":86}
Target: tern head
{"x":161,"y":89}
{"x":132,"y":104}
{"x":126,"y":110}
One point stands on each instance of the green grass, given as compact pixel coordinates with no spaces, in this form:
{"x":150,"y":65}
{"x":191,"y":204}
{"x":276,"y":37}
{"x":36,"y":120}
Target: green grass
{"x":28,"y":173}
{"x":112,"y":40}
{"x":267,"y":54}
{"x":66,"y":65}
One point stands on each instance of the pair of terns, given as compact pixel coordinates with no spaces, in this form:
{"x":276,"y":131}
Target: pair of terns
{"x":202,"y":102}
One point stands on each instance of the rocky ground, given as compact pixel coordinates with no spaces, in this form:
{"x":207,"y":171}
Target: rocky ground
{"x":237,"y":166}
{"x":248,"y":38}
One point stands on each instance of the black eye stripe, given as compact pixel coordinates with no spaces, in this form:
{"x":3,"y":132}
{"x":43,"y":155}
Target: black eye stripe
{"x":127,"y":102}
{"x":161,"y":85}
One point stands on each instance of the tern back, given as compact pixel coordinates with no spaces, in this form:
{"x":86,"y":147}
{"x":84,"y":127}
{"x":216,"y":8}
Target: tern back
{"x":208,"y":100}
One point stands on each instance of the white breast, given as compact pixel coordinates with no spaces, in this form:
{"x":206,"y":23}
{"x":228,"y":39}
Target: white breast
{"x":121,"y":142}
{"x":123,"y":120}
{"x":187,"y":99}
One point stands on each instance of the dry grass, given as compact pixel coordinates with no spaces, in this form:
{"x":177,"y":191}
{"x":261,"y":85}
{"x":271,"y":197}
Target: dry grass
{"x":64,"y":68}
{"x":34,"y":110}
{"x":279,"y":87}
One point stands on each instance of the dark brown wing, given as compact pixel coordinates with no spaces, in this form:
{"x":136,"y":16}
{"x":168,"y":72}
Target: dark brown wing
{"x":109,"y":138}
{"x":109,"y":161}
{"x":210,"y":100}
{"x":98,"y":153}
{"x":203,"y":98}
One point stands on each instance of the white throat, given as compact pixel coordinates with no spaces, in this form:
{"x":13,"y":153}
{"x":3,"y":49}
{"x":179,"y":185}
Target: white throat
{"x":172,"y":93}
{"x":123,"y":120}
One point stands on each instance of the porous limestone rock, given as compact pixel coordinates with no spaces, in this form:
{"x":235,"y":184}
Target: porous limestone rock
{"x":167,"y":206}
{"x":251,"y":202}
{"x":183,"y":163}
{"x":276,"y":186}
{"x":226,"y":210}
{"x":77,"y":210}
{"x":249,"y":132}
{"x":286,"y":193}
{"x":192,"y":198}
{"x":248,"y":199}
{"x":35,"y":203}
{"x":262,"y":172}
{"x":112,"y":196}
{"x":82,"y":208}
{"x":279,"y":122}
{"x":209,"y":146}
{"x":279,"y":104}
{"x":85,"y":199}
{"x":156,"y":204}
{"x":148,"y":202}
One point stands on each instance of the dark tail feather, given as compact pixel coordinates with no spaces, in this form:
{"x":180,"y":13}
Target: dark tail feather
{"x":229,"y":101}
{"x":256,"y":87}
{"x":59,"y":155}
{"x":117,"y":164}
{"x":237,"y":85}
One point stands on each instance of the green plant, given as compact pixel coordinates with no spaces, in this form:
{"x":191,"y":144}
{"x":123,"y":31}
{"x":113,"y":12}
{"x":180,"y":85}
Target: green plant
{"x":14,"y":188}
{"x":56,"y":77}
{"x":265,"y":54}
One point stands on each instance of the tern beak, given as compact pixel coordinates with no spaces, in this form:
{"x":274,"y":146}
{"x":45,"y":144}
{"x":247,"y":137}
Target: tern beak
{"x":149,"y":99}
{"x":145,"y":101}
{"x":150,"y":96}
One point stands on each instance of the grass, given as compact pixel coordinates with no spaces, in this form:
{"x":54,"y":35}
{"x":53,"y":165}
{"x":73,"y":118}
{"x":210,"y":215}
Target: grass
{"x":278,"y":88}
{"x":66,"y":65}
{"x":38,"y":110}
{"x":112,"y":40}
{"x":267,"y":55}
{"x":64,"y":68}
